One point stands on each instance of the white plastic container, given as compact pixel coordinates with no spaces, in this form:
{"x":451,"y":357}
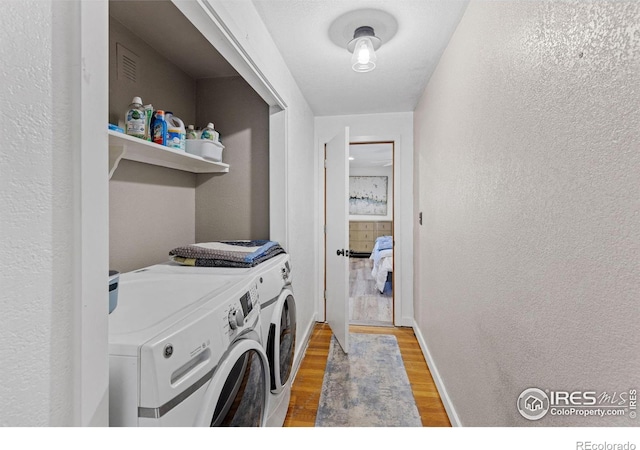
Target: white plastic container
{"x":114,"y":276}
{"x":176,"y":135}
{"x":205,"y":148}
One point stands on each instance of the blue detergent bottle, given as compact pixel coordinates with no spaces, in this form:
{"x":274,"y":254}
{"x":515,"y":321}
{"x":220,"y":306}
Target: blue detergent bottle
{"x":160,"y":128}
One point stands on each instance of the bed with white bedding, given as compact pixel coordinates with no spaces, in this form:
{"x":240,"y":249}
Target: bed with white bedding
{"x":382,"y":257}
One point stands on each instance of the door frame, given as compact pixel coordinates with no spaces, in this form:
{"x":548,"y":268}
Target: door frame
{"x":357,"y":140}
{"x":397,"y":127}
{"x":393,"y":215}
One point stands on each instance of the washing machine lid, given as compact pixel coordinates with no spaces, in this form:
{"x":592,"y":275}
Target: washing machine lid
{"x":274,"y":274}
{"x":148,"y":303}
{"x":270,"y":264}
{"x":175,"y":268}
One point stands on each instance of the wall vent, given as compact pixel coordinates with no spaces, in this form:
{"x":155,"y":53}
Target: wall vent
{"x":127,"y":64}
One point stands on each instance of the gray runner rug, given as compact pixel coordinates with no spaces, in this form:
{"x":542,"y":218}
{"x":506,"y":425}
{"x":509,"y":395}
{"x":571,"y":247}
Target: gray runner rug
{"x":368,"y":387}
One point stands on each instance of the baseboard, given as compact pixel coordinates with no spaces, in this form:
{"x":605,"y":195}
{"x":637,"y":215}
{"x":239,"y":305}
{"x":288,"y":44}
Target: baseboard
{"x":446,"y":401}
{"x":405,"y":322}
{"x":297,"y":360}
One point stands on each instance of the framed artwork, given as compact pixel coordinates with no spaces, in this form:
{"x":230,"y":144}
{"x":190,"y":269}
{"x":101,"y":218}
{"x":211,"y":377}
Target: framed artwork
{"x":368,"y":195}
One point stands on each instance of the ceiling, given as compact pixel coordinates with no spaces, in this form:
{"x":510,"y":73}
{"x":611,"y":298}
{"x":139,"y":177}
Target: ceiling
{"x":306,"y":32}
{"x":322,"y":69}
{"x":370,"y":155}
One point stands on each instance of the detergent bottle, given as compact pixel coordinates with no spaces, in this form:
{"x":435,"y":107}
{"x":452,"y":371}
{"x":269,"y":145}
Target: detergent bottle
{"x":176,"y":134}
{"x":135,"y":118}
{"x":191,"y":133}
{"x":148,"y":122}
{"x":209,"y":133}
{"x":160,"y":128}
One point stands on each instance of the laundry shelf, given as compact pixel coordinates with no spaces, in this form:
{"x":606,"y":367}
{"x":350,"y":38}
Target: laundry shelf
{"x":122,"y":146}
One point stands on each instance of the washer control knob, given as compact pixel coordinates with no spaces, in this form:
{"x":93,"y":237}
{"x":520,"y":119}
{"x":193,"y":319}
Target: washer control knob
{"x":236,"y":318}
{"x":232,"y":318}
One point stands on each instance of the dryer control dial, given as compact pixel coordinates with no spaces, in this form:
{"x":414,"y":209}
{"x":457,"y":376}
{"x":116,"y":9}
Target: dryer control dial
{"x":236,"y":318}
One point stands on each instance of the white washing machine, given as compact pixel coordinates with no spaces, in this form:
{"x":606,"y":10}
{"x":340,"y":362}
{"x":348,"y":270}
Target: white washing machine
{"x":185,"y":350}
{"x":278,"y":316}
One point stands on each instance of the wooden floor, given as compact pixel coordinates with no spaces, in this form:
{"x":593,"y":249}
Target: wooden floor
{"x":305,"y":392}
{"x":367,"y":306}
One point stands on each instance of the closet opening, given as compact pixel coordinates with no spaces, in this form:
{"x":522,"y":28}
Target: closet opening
{"x":161,"y":200}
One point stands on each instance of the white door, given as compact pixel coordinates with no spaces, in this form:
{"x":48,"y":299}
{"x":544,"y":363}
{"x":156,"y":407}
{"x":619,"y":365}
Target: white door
{"x":337,"y":237}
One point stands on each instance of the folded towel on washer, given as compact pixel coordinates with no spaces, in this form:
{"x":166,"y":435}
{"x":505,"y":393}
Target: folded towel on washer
{"x":226,"y":253}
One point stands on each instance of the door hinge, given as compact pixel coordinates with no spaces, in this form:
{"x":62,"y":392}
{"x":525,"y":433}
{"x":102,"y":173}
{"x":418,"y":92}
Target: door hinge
{"x":325,"y":163}
{"x":325,"y":295}
{"x":324,"y":229}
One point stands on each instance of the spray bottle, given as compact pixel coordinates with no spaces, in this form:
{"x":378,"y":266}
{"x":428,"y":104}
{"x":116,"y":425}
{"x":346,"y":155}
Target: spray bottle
{"x":160,"y":128}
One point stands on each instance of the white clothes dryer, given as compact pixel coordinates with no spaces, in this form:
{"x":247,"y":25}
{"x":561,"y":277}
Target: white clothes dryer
{"x":278,"y":312}
{"x":185,"y":350}
{"x":278,"y":317}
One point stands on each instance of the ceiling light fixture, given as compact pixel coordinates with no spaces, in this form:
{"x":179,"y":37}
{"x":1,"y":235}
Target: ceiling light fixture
{"x":362,"y":32}
{"x":363,"y":46}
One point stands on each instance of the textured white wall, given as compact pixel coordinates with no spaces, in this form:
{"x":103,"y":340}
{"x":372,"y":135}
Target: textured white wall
{"x":527,"y":140}
{"x":302,"y":220}
{"x":36,"y":205}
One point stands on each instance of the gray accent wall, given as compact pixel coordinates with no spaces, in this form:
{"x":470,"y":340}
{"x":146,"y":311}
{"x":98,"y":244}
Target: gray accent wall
{"x":155,"y":209}
{"x":527,"y":141}
{"x":234,"y":205}
{"x":151,"y":211}
{"x":159,"y":82}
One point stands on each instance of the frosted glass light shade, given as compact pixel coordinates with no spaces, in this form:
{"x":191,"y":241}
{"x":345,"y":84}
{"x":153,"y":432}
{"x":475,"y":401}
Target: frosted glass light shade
{"x":364,"y":56}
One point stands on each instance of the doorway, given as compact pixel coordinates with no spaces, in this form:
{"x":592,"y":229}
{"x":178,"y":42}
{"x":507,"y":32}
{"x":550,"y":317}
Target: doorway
{"x":370,"y":222}
{"x":359,"y":217}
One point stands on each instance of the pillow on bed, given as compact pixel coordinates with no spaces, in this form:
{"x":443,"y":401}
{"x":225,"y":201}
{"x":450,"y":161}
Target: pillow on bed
{"x":384,"y":242}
